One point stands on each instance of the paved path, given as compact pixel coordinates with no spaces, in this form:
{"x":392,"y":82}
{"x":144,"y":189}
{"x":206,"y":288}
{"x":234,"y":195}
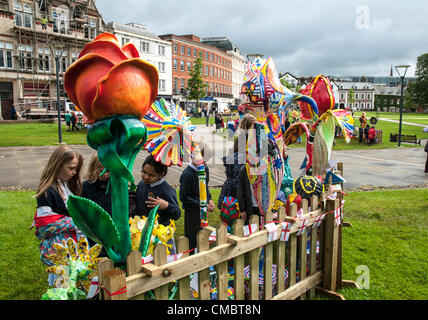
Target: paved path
{"x":22,"y":166}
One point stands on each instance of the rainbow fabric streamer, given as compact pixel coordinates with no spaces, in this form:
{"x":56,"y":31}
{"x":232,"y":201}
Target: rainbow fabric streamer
{"x":169,"y":133}
{"x":264,"y":167}
{"x":200,"y":166}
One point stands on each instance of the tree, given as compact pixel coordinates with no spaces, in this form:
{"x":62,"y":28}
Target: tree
{"x":351,"y":98}
{"x":418,"y":91}
{"x":195,"y":85}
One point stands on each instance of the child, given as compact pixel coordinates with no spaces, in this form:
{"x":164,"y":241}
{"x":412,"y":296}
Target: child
{"x":153,"y":190}
{"x":60,"y":178}
{"x":372,"y":135}
{"x":95,"y":186}
{"x":68,"y":120}
{"x":189,"y":197}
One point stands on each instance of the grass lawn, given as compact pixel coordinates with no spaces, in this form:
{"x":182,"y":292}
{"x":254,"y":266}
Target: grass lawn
{"x":389,"y":235}
{"x":38,"y":134}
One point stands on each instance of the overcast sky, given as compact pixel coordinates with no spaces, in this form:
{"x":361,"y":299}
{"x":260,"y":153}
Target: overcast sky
{"x":331,"y":37}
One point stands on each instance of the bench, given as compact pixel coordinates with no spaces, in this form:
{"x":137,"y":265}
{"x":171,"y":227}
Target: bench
{"x":409,"y":138}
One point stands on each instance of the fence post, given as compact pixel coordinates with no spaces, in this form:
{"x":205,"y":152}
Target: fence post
{"x":313,"y":246}
{"x":254,"y":264}
{"x":238,"y":226}
{"x":221,"y":268}
{"x":104,"y":265}
{"x":303,"y":242}
{"x":115,"y":284}
{"x":202,"y":239}
{"x":184,"y":283}
{"x":339,"y":249}
{"x":267,"y":266}
{"x":159,"y":258}
{"x":292,"y":242}
{"x":330,"y":247}
{"x":134,"y":265}
{"x":280,"y":254}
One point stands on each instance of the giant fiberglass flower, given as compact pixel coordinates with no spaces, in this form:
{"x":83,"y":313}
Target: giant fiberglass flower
{"x":110,"y":80}
{"x":114,"y":89}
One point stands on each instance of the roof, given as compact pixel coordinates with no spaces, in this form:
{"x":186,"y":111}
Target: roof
{"x":134,"y":28}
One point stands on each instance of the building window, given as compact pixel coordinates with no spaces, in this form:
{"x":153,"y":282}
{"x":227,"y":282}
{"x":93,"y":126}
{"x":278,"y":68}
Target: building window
{"x":43,"y":60}
{"x":175,"y":47}
{"x":144,"y":46}
{"x":182,"y":65}
{"x":212,"y":57}
{"x":6,"y":60}
{"x":362,"y":105}
{"x":362,"y":96}
{"x":183,"y":83}
{"x":369,"y":105}
{"x":161,"y":50}
{"x":125,"y":41}
{"x":342,"y":96}
{"x":161,"y":66}
{"x":28,"y":18}
{"x":369,"y":96}
{"x":175,"y":84}
{"x":25,"y":57}
{"x":206,"y":70}
{"x":189,"y":66}
{"x":195,"y":53}
{"x":189,"y":52}
{"x":161,"y":86}
{"x":206,"y":55}
{"x":182,"y":49}
{"x":175,"y":64}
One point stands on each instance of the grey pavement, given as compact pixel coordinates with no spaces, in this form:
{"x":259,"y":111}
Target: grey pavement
{"x":22,"y":166}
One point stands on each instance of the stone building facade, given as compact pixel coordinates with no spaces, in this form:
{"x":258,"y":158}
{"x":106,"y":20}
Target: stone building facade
{"x":33,"y":34}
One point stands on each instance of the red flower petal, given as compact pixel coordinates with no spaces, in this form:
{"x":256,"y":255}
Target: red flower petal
{"x":106,"y":49}
{"x":130,"y":51}
{"x":81,"y":81}
{"x":129,"y":88}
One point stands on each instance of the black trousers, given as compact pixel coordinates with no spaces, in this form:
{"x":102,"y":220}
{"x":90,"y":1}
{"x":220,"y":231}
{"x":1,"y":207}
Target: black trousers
{"x":192,"y":225}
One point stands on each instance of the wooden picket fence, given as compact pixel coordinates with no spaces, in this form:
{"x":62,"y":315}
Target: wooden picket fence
{"x":318,"y":250}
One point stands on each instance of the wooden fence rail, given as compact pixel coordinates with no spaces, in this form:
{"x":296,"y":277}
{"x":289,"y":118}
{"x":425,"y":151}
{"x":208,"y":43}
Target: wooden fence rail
{"x":309,"y":259}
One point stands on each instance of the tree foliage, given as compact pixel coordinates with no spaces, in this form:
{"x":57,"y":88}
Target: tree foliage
{"x":195,"y":85}
{"x":418,"y":91}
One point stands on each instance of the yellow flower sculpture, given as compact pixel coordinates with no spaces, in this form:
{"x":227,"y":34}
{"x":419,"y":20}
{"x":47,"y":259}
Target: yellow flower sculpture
{"x":160,"y":233}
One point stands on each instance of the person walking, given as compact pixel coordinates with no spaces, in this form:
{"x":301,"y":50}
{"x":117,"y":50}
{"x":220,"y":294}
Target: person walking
{"x":426,"y":150}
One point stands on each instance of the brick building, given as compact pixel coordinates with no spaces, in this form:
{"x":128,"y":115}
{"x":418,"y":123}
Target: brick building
{"x":216,"y":71}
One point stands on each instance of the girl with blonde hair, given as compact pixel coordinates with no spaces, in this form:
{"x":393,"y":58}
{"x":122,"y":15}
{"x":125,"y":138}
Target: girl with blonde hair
{"x":59,"y":180}
{"x":95,"y":185}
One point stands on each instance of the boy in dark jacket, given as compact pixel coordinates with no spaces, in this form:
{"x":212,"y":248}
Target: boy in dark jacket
{"x":189,"y":197}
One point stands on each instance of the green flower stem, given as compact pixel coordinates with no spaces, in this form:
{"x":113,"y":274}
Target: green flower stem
{"x":120,"y":213}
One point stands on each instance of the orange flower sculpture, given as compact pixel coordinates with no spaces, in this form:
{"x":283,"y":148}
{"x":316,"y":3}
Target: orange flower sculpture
{"x":110,"y":80}
{"x":114,"y":88}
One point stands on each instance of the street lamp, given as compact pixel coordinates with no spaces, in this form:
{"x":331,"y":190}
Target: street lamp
{"x":401,"y":70}
{"x":56,"y":50}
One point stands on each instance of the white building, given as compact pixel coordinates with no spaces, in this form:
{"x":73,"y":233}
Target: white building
{"x":151,"y":49}
{"x":364,"y":95}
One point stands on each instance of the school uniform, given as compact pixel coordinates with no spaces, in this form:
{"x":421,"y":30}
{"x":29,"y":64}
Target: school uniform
{"x":53,"y":222}
{"x":163,"y":190}
{"x":190,"y":201}
{"x":96,"y":191}
{"x":246,"y":200}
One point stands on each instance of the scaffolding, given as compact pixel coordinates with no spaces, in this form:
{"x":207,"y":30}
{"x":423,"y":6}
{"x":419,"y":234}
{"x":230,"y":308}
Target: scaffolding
{"x":58,"y":36}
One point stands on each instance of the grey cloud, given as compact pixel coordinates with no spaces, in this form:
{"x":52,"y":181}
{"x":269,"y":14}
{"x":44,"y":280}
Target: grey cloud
{"x":303,"y":37}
